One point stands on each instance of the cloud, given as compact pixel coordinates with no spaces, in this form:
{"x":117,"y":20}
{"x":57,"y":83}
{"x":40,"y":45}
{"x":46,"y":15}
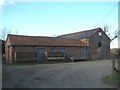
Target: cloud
{"x":2,"y":2}
{"x":6,"y":2}
{"x":11,"y":2}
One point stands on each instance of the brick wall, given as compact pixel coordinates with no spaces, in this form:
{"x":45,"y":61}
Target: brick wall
{"x":14,"y":52}
{"x":97,"y":52}
{"x":74,"y":52}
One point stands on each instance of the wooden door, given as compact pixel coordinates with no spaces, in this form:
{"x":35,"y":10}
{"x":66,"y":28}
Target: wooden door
{"x":41,"y":55}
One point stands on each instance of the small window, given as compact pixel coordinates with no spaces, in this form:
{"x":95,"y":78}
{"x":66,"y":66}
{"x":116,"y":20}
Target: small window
{"x":62,"y":49}
{"x":100,"y":40}
{"x":100,"y":34}
{"x":53,"y":49}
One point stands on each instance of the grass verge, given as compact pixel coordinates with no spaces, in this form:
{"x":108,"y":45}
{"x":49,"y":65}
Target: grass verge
{"x":113,"y":79}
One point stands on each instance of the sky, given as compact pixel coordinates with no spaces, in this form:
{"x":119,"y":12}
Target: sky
{"x":58,"y":18}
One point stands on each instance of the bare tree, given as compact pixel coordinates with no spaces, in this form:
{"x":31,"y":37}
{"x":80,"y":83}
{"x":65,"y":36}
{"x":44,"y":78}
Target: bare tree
{"x":4,"y":33}
{"x":116,"y":35}
{"x":106,"y":29}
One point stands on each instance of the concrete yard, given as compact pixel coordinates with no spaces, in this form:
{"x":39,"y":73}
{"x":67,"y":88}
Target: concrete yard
{"x":85,"y":74}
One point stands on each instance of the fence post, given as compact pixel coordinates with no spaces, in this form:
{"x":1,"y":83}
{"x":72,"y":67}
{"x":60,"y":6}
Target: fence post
{"x":15,"y":57}
{"x":113,"y":66}
{"x":119,"y":68}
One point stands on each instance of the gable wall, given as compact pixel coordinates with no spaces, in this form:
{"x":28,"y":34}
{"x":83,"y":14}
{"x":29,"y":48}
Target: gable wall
{"x":99,"y":52}
{"x":7,"y":49}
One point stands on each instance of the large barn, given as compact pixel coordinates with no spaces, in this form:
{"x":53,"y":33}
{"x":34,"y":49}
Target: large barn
{"x":96,"y":39}
{"x":37,"y":48}
{"x":89,"y":44}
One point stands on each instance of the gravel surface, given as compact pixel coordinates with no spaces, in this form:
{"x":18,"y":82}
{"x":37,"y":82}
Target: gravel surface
{"x":86,"y":74}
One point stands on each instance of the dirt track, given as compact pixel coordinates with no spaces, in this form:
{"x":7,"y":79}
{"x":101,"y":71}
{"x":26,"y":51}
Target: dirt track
{"x":64,"y":75}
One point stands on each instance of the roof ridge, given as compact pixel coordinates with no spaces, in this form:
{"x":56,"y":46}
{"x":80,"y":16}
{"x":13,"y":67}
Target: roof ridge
{"x":28,"y":36}
{"x":81,"y":31}
{"x":43,"y":37}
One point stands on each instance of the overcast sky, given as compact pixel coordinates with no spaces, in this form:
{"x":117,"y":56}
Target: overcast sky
{"x":56,"y":18}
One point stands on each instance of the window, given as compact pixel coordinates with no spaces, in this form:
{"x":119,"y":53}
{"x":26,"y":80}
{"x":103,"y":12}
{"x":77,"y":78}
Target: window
{"x":100,"y":34}
{"x":53,"y":49}
{"x":99,"y":39}
{"x":62,"y":49}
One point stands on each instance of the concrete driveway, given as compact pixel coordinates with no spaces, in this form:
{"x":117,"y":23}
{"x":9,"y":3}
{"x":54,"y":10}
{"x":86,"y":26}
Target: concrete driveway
{"x":86,"y":74}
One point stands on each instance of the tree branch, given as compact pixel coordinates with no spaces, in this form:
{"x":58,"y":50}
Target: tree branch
{"x":117,"y":34}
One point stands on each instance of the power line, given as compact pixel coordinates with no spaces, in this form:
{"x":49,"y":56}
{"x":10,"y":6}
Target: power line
{"x":108,"y":14}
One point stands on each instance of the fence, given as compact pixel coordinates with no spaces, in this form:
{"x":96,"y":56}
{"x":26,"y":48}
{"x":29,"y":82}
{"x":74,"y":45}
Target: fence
{"x":55,"y":55}
{"x":115,"y":65}
{"x":115,"y":56}
{"x":25,"y":56}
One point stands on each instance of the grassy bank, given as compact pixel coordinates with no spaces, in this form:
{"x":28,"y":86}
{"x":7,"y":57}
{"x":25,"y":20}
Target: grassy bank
{"x":113,"y":79}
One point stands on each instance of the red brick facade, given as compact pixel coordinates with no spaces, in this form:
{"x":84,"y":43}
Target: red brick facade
{"x":16,"y":51}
